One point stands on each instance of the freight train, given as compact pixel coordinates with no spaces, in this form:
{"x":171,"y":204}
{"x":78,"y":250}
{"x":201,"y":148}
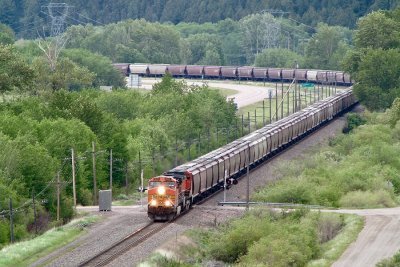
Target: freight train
{"x":178,"y":189}
{"x":236,"y":73}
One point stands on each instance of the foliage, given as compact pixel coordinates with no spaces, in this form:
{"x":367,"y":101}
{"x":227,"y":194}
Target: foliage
{"x":377,"y":30}
{"x":270,"y":238}
{"x":374,"y":63}
{"x":67,"y":75}
{"x":7,"y":35}
{"x":106,"y":74}
{"x":26,"y":252}
{"x":23,"y":16}
{"x":327,"y":46}
{"x":15,"y":73}
{"x":138,"y":41}
{"x":278,"y":57}
{"x":359,"y":170}
{"x":260,"y":31}
{"x":390,"y":262}
{"x":353,"y":121}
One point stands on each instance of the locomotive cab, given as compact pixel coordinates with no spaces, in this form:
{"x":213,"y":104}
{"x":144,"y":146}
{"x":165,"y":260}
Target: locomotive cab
{"x":163,"y":195}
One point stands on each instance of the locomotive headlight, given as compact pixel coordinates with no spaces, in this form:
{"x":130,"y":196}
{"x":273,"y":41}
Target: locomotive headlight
{"x":161,"y":190}
{"x":168,"y":203}
{"x":153,"y":202}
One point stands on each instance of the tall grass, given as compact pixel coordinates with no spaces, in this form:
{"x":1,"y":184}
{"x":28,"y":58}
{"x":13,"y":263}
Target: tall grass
{"x":25,"y":252}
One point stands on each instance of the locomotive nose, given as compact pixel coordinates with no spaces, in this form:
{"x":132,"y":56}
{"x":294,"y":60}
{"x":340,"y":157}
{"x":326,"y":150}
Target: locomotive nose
{"x":161,"y":190}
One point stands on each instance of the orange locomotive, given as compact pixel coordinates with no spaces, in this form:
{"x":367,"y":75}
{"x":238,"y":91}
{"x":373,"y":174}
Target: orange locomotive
{"x":168,"y":196}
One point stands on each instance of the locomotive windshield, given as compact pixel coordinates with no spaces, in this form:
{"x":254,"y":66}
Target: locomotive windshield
{"x":157,"y":184}
{"x":154,"y":184}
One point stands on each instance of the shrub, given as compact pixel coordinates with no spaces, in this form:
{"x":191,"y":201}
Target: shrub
{"x":85,"y":196}
{"x":329,"y":225}
{"x":391,"y":262}
{"x":353,"y":121}
{"x":231,"y":244}
{"x":367,"y":199}
{"x":122,"y":197}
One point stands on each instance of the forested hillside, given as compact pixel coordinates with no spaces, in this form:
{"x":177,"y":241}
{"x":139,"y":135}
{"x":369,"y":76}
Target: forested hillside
{"x":25,"y":15}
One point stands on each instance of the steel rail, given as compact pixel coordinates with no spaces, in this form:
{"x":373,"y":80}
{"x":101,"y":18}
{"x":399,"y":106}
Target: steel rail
{"x":117,"y":249}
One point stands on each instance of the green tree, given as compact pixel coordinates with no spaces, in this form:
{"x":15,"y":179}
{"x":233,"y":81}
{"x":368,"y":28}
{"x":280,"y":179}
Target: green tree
{"x":7,"y":35}
{"x":200,"y":44}
{"x":326,"y":47}
{"x":67,"y":75}
{"x":106,"y":74}
{"x":378,"y":74}
{"x":15,"y":73}
{"x":278,"y":57}
{"x":377,"y":30}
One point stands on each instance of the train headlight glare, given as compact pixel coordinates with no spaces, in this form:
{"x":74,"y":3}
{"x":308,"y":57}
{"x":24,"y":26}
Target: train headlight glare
{"x":161,"y":190}
{"x":153,"y":203}
{"x":168,"y":203}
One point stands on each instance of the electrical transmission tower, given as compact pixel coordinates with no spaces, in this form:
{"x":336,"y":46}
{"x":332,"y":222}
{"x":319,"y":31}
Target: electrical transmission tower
{"x":52,"y":47}
{"x":58,"y":13}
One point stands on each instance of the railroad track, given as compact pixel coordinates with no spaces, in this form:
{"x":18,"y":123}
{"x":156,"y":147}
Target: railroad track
{"x":119,"y":248}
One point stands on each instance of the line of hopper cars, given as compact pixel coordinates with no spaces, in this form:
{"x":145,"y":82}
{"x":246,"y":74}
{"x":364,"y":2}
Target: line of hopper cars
{"x":237,"y":73}
{"x":176,"y":190}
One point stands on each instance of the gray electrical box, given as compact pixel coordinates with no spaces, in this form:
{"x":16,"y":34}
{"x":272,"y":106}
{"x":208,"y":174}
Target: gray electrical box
{"x":105,"y":199}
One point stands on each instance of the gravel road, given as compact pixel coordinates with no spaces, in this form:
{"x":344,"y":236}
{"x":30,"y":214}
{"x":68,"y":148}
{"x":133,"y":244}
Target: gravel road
{"x":379,"y":239}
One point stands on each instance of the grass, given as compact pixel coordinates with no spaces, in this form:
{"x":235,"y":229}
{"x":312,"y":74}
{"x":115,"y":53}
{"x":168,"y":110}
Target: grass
{"x":26,"y":252}
{"x":333,"y":249}
{"x":125,"y":202}
{"x":224,"y":91}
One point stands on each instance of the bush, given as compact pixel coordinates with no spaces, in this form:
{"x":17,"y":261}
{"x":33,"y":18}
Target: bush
{"x":391,"y":262}
{"x":85,"y":196}
{"x":234,"y":241}
{"x":367,"y":199}
{"x":329,"y":225}
{"x":122,"y":197}
{"x":353,"y":121}
{"x":288,"y":191}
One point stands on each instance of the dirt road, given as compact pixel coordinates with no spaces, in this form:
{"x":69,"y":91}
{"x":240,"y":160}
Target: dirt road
{"x":379,"y":239}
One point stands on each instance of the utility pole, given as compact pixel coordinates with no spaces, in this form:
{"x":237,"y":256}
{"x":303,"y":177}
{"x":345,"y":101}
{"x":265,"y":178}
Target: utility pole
{"x":126,"y":177}
{"x":111,"y":166}
{"x":94,"y":173}
{"x":34,"y":210}
{"x":11,"y":223}
{"x":248,"y":179}
{"x":73,"y":176}
{"x":58,"y":196}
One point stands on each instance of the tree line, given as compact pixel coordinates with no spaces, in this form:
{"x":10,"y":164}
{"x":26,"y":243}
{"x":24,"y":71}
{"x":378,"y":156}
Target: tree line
{"x":30,"y":14}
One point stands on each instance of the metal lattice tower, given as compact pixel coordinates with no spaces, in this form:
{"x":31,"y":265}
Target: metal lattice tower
{"x":58,"y":13}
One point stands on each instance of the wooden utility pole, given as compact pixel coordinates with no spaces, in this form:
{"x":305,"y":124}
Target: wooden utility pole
{"x":34,"y":210}
{"x":248,"y":180}
{"x":73,"y":176}
{"x":58,"y":196}
{"x":11,"y":223}
{"x":126,"y":177}
{"x":94,"y":174}
{"x":111,"y":166}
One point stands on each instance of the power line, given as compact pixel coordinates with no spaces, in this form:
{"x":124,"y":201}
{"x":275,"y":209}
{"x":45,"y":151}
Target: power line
{"x":90,"y":19}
